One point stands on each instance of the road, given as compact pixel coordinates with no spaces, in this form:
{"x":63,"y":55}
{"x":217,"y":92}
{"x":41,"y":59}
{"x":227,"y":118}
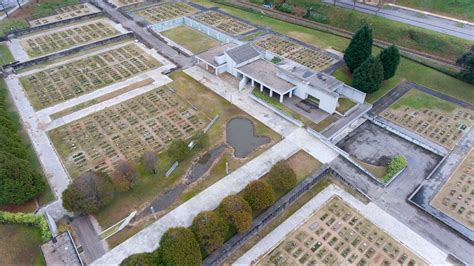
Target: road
{"x":91,"y":244}
{"x":438,"y":24}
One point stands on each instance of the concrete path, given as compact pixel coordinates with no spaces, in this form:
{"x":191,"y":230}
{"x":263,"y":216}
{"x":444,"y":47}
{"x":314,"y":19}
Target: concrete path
{"x":88,"y":238}
{"x":430,"y":22}
{"x":147,"y":240}
{"x":372,"y":212}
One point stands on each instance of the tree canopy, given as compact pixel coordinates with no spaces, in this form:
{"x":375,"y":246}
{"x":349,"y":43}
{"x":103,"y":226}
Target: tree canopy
{"x":179,"y":247}
{"x":359,"y":49}
{"x":259,"y":194}
{"x":141,"y":259}
{"x":237,"y":212}
{"x":88,"y":193}
{"x":282,"y":177}
{"x":210,"y":230}
{"x":466,"y":62}
{"x":369,"y":75}
{"x":125,"y":176}
{"x":178,"y":150}
{"x":390,"y":58}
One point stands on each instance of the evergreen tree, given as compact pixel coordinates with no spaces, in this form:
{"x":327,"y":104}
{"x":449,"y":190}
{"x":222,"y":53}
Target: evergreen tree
{"x":179,"y":247}
{"x":237,"y":212}
{"x":369,"y":75}
{"x":282,"y":177}
{"x":390,"y":58}
{"x":210,"y":230}
{"x":259,"y":194}
{"x":466,"y":62}
{"x":359,"y":49}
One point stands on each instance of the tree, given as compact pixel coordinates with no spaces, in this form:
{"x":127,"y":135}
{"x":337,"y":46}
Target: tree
{"x":368,"y":76}
{"x":149,"y":160}
{"x":282,"y":177}
{"x":19,"y":182}
{"x":178,"y":150}
{"x":88,"y":193}
{"x":141,"y":259}
{"x":466,"y":62}
{"x":125,"y":176}
{"x":179,"y":247}
{"x":390,"y":58}
{"x":237,"y":212}
{"x":259,"y":194}
{"x":210,"y":230}
{"x":359,"y":49}
{"x":201,"y":140}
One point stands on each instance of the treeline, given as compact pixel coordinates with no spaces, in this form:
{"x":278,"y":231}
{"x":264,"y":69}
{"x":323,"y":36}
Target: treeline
{"x":19,"y":180}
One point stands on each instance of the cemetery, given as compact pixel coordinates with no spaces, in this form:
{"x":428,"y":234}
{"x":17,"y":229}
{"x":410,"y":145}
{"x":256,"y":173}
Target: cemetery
{"x":310,"y":58}
{"x":64,"y":13}
{"x":435,"y":119}
{"x":66,"y":81}
{"x":339,"y":234}
{"x":224,"y":23}
{"x":163,"y":12}
{"x":455,"y":198}
{"x":122,"y":3}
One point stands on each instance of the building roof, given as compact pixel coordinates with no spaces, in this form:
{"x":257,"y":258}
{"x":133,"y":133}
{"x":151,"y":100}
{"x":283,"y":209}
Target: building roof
{"x":209,"y":55}
{"x":243,"y":53}
{"x":60,"y":250}
{"x":265,"y":72}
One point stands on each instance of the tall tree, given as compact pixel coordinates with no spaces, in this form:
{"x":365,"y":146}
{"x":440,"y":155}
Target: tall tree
{"x":259,"y":194}
{"x":282,"y":177}
{"x":237,"y":212}
{"x":125,"y":176}
{"x":359,"y":49}
{"x":466,"y":62}
{"x":390,"y":58}
{"x":210,"y":230}
{"x":179,"y":247}
{"x":369,"y":75}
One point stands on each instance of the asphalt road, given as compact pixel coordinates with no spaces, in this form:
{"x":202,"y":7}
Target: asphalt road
{"x":88,"y":238}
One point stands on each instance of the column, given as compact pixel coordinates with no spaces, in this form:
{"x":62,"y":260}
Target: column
{"x":291,"y":93}
{"x":271,"y":92}
{"x":261,"y":87}
{"x":253,"y":83}
{"x":281,"y":98}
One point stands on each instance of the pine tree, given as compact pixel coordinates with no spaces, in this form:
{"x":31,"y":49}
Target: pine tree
{"x":359,"y":49}
{"x":390,"y":58}
{"x":369,"y":75}
{"x":466,"y":61}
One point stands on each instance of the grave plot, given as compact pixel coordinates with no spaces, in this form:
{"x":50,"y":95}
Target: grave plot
{"x":122,"y":3}
{"x":437,"y":120}
{"x":337,"y":234}
{"x":455,"y":198}
{"x":59,"y":39}
{"x":308,"y":57}
{"x":65,"y":13}
{"x":191,"y":39}
{"x":168,"y":11}
{"x":224,"y":23}
{"x":67,"y":81}
{"x":125,"y":131}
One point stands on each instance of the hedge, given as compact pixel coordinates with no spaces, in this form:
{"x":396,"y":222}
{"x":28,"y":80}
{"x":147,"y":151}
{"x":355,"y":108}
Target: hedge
{"x":27,"y":219}
{"x":395,"y":165}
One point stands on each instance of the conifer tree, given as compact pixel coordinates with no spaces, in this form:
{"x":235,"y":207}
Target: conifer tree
{"x":359,"y":49}
{"x":390,"y":58}
{"x":369,"y":75}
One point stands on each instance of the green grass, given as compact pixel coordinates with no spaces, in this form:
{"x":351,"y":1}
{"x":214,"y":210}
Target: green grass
{"x":275,"y":103}
{"x":19,"y":245}
{"x":191,"y":39}
{"x":324,"y":123}
{"x":6,"y":56}
{"x":416,"y":99}
{"x":345,"y":105}
{"x":252,"y":36}
{"x":457,"y":8}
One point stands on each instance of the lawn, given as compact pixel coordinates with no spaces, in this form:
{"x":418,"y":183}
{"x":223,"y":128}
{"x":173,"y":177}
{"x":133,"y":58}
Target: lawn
{"x":345,"y":105}
{"x":457,"y":8}
{"x":417,"y":100}
{"x":191,"y":39}
{"x":19,"y":245}
{"x":6,"y":56}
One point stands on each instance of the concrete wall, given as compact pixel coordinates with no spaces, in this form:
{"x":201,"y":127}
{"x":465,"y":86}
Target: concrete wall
{"x":351,"y":93}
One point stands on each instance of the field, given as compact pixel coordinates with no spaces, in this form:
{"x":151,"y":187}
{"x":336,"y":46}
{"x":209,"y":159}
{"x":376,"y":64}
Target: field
{"x":191,"y":39}
{"x":167,"y":11}
{"x":224,"y":23}
{"x":64,"y":13}
{"x":455,"y":197}
{"x":5,"y":55}
{"x":19,"y":245}
{"x":338,"y":234}
{"x":310,"y":58}
{"x":55,"y":40}
{"x":435,"y":119}
{"x":463,"y":9}
{"x":53,"y":85}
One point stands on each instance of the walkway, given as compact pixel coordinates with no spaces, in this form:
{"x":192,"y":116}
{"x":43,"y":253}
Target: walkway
{"x":88,"y":238}
{"x":407,"y":16}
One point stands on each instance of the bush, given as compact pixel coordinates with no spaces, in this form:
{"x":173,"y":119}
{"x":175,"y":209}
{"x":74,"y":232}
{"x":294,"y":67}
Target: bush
{"x":179,"y":247}
{"x":178,"y":150}
{"x":141,"y":259}
{"x":210,"y":230}
{"x":369,"y":76}
{"x":28,"y":219}
{"x":282,"y":177}
{"x":88,"y":193}
{"x":359,"y":49}
{"x":125,"y":176}
{"x":466,"y":62}
{"x":259,"y":194}
{"x":390,"y":58}
{"x":285,"y":8}
{"x":237,"y":212}
{"x":395,"y":165}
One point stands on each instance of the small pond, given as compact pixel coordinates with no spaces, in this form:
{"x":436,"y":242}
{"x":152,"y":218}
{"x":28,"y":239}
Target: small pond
{"x":241,"y":136}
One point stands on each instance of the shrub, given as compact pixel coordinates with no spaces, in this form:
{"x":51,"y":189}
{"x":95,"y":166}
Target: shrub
{"x":359,"y":49}
{"x":178,"y":150}
{"x":466,"y":62}
{"x":210,"y":230}
{"x":285,"y":8}
{"x":141,"y":259}
{"x":27,"y":219}
{"x":179,"y":247}
{"x":125,"y":176}
{"x":282,"y":177}
{"x":237,"y":212}
{"x":390,"y":58}
{"x":368,"y":76}
{"x":259,"y":194}
{"x":395,"y":165}
{"x":88,"y":193}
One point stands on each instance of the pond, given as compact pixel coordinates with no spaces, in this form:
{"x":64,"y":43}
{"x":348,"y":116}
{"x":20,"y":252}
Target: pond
{"x":241,"y":136}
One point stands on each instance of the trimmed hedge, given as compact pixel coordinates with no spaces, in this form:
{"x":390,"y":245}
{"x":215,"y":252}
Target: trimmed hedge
{"x":395,"y":165}
{"x":27,"y":219}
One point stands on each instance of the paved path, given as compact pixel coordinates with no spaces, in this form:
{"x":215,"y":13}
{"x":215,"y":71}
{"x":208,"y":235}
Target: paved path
{"x":343,"y":122}
{"x":88,"y":238}
{"x":373,"y":213}
{"x":429,"y":22}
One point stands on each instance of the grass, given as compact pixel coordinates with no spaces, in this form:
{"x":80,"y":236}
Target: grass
{"x":345,"y":105}
{"x":19,"y":245}
{"x":253,"y":36}
{"x":275,"y":103}
{"x":325,"y":123}
{"x":191,"y":39}
{"x":6,"y":56}
{"x":417,"y":100}
{"x":463,"y":9}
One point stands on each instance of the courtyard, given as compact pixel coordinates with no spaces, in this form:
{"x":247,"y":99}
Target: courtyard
{"x":225,"y":23}
{"x":191,"y":39}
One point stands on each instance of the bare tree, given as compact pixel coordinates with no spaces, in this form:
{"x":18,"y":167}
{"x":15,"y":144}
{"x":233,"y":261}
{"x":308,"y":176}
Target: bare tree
{"x":125,"y":176}
{"x":149,"y":162}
